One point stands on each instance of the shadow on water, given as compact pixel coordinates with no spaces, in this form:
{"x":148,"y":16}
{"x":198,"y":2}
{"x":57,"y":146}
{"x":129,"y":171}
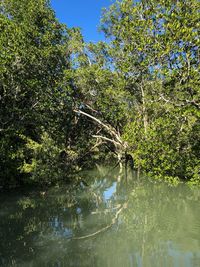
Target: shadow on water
{"x":108,"y":223}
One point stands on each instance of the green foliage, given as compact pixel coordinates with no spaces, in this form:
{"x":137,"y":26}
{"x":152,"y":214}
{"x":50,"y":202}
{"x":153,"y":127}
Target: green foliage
{"x":154,"y":46}
{"x":43,"y":160}
{"x":142,"y":85}
{"x":33,"y":58}
{"x":169,"y":148}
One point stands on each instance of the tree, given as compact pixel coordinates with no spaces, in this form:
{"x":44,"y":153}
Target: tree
{"x":34,"y":55}
{"x":99,"y":97}
{"x":137,"y":94}
{"x":154,"y":47}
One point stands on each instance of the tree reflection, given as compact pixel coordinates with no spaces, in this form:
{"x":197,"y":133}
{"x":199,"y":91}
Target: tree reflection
{"x":159,"y":226}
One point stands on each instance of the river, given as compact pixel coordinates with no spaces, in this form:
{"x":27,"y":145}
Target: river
{"x":107,"y":223}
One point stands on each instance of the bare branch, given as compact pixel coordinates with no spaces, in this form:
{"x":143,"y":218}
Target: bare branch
{"x":182,"y":103}
{"x":109,"y":128}
{"x":89,"y":107}
{"x":107,"y":139}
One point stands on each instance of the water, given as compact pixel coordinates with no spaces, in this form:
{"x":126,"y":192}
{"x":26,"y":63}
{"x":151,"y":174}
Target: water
{"x":110,"y":223}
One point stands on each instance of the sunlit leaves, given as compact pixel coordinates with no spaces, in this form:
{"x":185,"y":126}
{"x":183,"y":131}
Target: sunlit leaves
{"x":154,"y":46}
{"x":33,"y":48}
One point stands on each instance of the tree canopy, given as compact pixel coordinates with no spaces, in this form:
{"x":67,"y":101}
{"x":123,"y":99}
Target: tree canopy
{"x":66,"y":104}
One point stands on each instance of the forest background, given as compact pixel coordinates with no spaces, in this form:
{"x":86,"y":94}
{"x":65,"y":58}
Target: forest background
{"x":66,"y":104}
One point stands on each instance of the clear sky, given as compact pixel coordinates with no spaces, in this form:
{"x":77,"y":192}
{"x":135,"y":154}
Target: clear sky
{"x":82,"y":13}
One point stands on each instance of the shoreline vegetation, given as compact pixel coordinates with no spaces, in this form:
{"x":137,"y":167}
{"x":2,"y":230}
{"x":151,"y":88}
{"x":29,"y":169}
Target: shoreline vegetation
{"x":133,"y":100}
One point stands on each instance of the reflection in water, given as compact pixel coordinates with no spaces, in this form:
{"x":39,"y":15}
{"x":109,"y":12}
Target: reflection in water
{"x":108,"y":193}
{"x":150,"y":224}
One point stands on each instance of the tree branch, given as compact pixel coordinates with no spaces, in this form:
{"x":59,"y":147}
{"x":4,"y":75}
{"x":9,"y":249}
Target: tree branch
{"x":109,"y":129}
{"x":107,"y":139}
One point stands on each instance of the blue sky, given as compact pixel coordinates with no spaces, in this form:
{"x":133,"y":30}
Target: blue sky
{"x":81,"y":13}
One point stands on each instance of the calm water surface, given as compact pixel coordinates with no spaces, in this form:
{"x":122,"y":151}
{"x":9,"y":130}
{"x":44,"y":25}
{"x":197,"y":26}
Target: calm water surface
{"x":110,"y":223}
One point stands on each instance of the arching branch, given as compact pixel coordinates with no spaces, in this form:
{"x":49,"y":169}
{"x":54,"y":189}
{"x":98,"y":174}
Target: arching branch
{"x":107,"y":139}
{"x":108,"y":128}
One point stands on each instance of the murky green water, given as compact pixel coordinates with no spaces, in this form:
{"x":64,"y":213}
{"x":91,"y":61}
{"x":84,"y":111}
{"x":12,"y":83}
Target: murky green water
{"x":107,"y":224}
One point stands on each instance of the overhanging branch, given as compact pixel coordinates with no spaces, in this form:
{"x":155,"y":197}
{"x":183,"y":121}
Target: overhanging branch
{"x":108,"y":128}
{"x":107,"y":139}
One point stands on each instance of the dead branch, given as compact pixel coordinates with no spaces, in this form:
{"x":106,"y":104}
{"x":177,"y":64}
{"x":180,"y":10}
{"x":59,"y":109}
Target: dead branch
{"x":109,"y":128}
{"x":107,"y":139}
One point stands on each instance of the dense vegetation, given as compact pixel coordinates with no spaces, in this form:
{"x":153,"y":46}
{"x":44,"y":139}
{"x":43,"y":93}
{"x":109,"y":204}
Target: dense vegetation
{"x":65,"y":104}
